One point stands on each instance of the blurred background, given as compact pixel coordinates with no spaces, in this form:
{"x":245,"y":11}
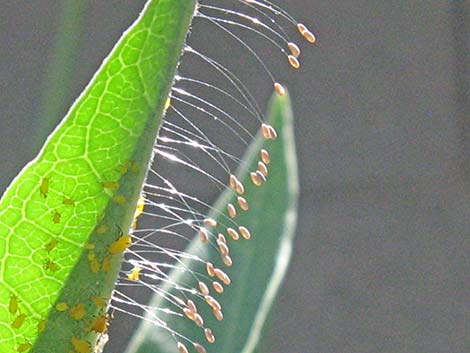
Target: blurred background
{"x":381,"y":261}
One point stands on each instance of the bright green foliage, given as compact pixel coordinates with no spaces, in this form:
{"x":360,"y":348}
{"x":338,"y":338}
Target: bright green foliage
{"x":259,"y":264}
{"x":61,"y":214}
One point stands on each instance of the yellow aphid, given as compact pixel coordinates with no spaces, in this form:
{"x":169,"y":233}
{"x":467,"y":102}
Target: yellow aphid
{"x":44,"y":187}
{"x":98,"y":301}
{"x":135,"y":167}
{"x":294,"y":49}
{"x":280,"y":90}
{"x":56,"y":217}
{"x":134,"y":275}
{"x":209,"y":335}
{"x":68,"y":202}
{"x":233,"y":233}
{"x":210,"y":222}
{"x":203,"y":235}
{"x":244,"y":232}
{"x":77,"y":312}
{"x":42,"y":325}
{"x":231,"y":210}
{"x":51,"y":245}
{"x":106,"y":264}
{"x":94,"y":264}
{"x":140,"y":207}
{"x":61,"y":306}
{"x":227,"y":260}
{"x":199,"y":348}
{"x":103,"y":228}
{"x":100,"y":324}
{"x":19,"y":321}
{"x":262,"y":168}
{"x":182,"y":348}
{"x":81,"y":346}
{"x":167,"y":103}
{"x":218,"y":287}
{"x":13,"y":305}
{"x":124,"y":168}
{"x":294,"y":62}
{"x":265,"y":156}
{"x":243,"y":203}
{"x":203,"y":288}
{"x":210,"y":269}
{"x":222,"y":276}
{"x":89,"y":246}
{"x":123,"y":242}
{"x":24,"y":347}
{"x":218,"y":314}
{"x":119,"y":199}
{"x":51,"y":266}
{"x":240,"y":189}
{"x":112,"y":185}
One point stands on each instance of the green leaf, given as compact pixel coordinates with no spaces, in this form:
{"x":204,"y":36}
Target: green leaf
{"x":61,"y":217}
{"x":259,"y":264}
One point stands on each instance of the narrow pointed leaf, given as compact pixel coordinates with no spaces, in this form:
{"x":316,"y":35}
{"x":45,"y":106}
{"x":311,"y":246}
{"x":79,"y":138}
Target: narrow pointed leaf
{"x":61,"y":218}
{"x":259,"y":264}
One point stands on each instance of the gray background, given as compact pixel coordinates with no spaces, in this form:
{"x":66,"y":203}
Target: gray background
{"x":381,"y":260}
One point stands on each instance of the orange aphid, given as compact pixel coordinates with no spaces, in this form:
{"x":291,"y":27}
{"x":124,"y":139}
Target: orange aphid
{"x":77,"y":312}
{"x":81,"y":346}
{"x":123,"y":242}
{"x":218,"y":314}
{"x":306,"y":33}
{"x":100,"y":324}
{"x":99,"y":302}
